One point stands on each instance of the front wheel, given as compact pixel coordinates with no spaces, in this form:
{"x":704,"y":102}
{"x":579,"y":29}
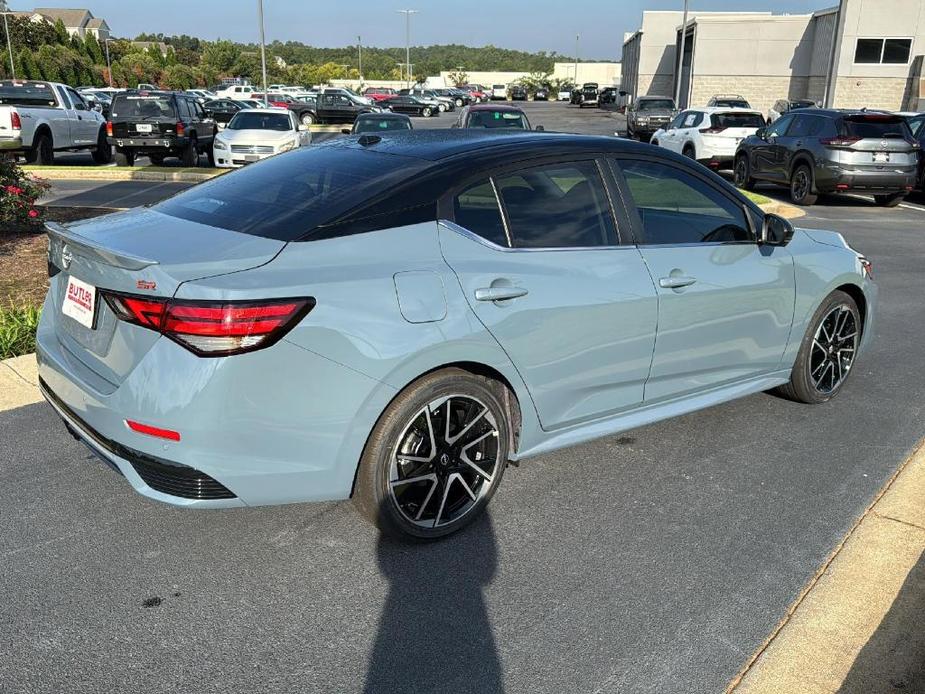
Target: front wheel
{"x":741,"y":174}
{"x":459,"y":103}
{"x":435,"y":457}
{"x":889,"y":200}
{"x":827,"y":352}
{"x":441,"y":107}
{"x":801,"y":186}
{"x":428,"y":112}
{"x":103,"y":153}
{"x":307,"y":119}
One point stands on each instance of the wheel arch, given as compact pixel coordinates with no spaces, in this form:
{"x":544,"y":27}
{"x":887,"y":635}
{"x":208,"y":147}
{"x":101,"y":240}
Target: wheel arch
{"x":856,"y":293}
{"x":43,"y":129}
{"x":803,"y":157}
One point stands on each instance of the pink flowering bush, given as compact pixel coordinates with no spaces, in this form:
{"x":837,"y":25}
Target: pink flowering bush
{"x":18,"y":193}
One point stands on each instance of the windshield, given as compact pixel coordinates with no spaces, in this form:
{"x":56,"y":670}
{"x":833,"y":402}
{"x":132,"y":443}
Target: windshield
{"x":369,"y":125}
{"x":883,"y":127}
{"x":286,"y":197}
{"x":143,"y":107}
{"x":653,"y":104}
{"x":26,"y":94}
{"x":498,"y":119}
{"x":737,"y":120}
{"x":251,"y":120}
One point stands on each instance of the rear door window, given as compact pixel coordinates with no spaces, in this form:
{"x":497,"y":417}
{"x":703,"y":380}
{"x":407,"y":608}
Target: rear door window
{"x":476,"y":209}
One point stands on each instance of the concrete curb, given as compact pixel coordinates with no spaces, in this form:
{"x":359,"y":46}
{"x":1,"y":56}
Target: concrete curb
{"x":845,"y":608}
{"x":120,"y":174}
{"x":783,"y":209}
{"x":19,"y":382}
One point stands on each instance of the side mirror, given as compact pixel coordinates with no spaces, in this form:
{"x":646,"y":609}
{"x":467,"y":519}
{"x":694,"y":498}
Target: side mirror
{"x":540,"y":128}
{"x":775,"y":231}
{"x":209,"y":113}
{"x":344,"y":131}
{"x":98,"y":108}
{"x":760,"y":133}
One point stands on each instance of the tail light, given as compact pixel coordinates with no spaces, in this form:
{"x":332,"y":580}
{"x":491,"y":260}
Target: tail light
{"x":181,"y":129}
{"x":712,"y":130}
{"x":213,"y":328}
{"x":840,"y":141}
{"x":15,"y":121}
{"x":109,"y":128}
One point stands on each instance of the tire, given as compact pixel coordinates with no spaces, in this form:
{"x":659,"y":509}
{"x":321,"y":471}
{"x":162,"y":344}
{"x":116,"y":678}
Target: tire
{"x":689,"y":152}
{"x":654,"y":142}
{"x":803,"y":386}
{"x":126,"y":158}
{"x":103,"y":153}
{"x":741,"y":174}
{"x":307,"y":119}
{"x":427,"y":112}
{"x":630,"y":133}
{"x":418,"y":410}
{"x":441,"y":107}
{"x":891,"y":200}
{"x":190,"y":156}
{"x":210,"y":156}
{"x":459,"y":103}
{"x":156,"y":159}
{"x":801,"y":186}
{"x":42,"y":152}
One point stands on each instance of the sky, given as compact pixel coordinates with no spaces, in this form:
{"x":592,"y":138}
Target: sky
{"x":533,"y":25}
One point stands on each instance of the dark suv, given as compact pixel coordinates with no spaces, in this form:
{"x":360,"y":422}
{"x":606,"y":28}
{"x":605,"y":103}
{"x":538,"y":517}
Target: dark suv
{"x":159,"y":124}
{"x":817,"y":151}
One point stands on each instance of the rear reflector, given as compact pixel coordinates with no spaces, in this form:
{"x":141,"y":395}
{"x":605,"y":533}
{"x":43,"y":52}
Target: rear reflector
{"x":153,"y":431}
{"x":841,"y":186}
{"x":841,"y":141}
{"x":210,"y":328}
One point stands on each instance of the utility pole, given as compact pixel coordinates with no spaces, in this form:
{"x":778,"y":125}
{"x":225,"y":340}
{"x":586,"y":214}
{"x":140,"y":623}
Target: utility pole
{"x":679,"y":75}
{"x":108,"y":64}
{"x":9,"y":41}
{"x":360,"y":57}
{"x":408,"y":14}
{"x":577,"y":36}
{"x":401,"y":71}
{"x":263,"y":51}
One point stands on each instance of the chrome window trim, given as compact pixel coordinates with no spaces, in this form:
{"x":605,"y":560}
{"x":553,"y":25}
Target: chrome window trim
{"x":507,"y":230}
{"x":471,"y":235}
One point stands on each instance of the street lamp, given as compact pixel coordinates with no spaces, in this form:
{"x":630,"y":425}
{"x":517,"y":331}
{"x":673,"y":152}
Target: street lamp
{"x":108,"y":64}
{"x":9,"y":41}
{"x":263,"y":51}
{"x":408,"y":14}
{"x":360,"y":57}
{"x":577,"y":36}
{"x":680,"y":70}
{"x":401,"y":70}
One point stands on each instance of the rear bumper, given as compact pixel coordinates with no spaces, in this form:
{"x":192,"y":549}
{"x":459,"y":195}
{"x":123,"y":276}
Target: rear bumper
{"x":149,"y":144}
{"x":831,"y":179}
{"x":275,"y":426}
{"x":8,"y":144}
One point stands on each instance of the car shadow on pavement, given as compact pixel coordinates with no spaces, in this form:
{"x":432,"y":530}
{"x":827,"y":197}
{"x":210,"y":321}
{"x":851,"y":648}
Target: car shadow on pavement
{"x":893,"y":659}
{"x":434,"y":633}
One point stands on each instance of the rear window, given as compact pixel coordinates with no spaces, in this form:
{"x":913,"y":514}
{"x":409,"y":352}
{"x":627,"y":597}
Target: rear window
{"x":732,"y":103}
{"x":802,"y":104}
{"x":138,"y":106}
{"x":34,"y":94}
{"x":883,"y":127}
{"x":260,"y":121}
{"x":370,"y":125}
{"x":498,"y":119}
{"x":286,"y":197}
{"x":737,"y":120}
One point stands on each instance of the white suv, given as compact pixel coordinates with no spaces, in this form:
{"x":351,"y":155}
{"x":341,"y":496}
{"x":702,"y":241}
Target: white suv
{"x":710,"y":135}
{"x":498,"y":91}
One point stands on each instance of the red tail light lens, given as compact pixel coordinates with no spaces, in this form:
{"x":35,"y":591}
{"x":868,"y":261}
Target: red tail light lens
{"x":842,"y":141}
{"x":213,"y":328}
{"x":15,"y":121}
{"x":711,"y":131}
{"x":109,"y":128}
{"x":181,"y":129}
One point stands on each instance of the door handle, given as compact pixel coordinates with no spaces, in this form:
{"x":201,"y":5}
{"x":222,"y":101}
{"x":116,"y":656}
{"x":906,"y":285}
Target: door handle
{"x":676,"y":282}
{"x":499,"y":293}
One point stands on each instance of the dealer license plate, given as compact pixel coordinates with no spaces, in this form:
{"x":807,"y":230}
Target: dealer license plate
{"x":881,"y":157}
{"x":80,"y":302}
{"x":143,"y":127}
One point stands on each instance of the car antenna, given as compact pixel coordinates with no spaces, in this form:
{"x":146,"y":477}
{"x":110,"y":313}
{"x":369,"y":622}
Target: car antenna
{"x":367,"y":140}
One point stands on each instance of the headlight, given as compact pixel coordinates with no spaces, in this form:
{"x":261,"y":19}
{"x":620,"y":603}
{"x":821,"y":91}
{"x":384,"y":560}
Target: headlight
{"x":286,"y":146}
{"x":220,"y":145}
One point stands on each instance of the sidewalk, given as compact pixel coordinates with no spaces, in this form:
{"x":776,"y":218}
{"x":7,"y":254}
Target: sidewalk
{"x":859,"y":626}
{"x":19,"y":382}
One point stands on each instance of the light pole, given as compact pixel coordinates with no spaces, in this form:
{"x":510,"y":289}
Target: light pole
{"x":263,"y":51}
{"x":577,"y":36}
{"x":108,"y":64}
{"x":408,"y":14}
{"x":401,"y":71}
{"x":360,"y":57}
{"x":9,"y":41}
{"x":679,"y":73}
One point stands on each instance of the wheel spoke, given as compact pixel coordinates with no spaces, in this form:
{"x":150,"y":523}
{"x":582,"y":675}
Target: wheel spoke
{"x":818,"y":345}
{"x":454,"y":439}
{"x":433,"y":442}
{"x":411,"y":480}
{"x":430,"y":493}
{"x":446,"y":493}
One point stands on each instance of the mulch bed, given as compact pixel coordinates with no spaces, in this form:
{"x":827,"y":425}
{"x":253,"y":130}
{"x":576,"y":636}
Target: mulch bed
{"x":23,"y":266}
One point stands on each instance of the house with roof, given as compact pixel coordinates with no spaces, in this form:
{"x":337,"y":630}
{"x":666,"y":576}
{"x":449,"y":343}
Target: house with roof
{"x":78,"y":22}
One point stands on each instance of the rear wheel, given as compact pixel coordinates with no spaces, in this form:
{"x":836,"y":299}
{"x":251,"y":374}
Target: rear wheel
{"x":43,"y":150}
{"x":801,"y":186}
{"x":689,"y":152}
{"x":307,"y":119}
{"x":741,"y":174}
{"x":827,"y":352}
{"x":435,"y":457}
{"x":459,"y":103}
{"x":441,"y":107}
{"x":190,"y":155}
{"x":103,"y":152}
{"x":889,"y":200}
{"x":654,"y":142}
{"x":125,"y":158}
{"x":428,"y":112}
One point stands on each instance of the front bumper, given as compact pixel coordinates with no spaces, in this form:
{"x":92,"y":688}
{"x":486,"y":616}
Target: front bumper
{"x":275,"y":426}
{"x":830,"y":179}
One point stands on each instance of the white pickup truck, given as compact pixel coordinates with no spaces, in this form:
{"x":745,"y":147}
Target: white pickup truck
{"x":40,"y":118}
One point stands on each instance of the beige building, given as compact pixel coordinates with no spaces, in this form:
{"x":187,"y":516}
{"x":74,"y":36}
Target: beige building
{"x":78,"y":22}
{"x":605,"y":74}
{"x":859,"y":53}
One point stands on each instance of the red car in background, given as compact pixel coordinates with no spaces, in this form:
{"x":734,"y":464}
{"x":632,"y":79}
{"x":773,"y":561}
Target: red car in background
{"x":379,"y":93}
{"x":478,"y":92}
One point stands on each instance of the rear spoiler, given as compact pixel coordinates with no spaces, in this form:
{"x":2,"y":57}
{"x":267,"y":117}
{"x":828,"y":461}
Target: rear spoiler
{"x":87,"y":246}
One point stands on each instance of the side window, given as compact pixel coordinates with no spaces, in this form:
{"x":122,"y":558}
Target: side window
{"x":476,"y":209}
{"x":77,"y":100}
{"x":677,"y":207}
{"x":676,"y":123}
{"x":557,"y":206}
{"x":197,"y":110}
{"x":62,"y":96}
{"x":183,"y":109}
{"x":800,"y":126}
{"x":779,"y":127}
{"x":693,"y":119}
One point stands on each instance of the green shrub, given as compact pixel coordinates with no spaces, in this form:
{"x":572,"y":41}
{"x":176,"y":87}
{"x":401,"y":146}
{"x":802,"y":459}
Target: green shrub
{"x":17,"y":330}
{"x":18,"y":193}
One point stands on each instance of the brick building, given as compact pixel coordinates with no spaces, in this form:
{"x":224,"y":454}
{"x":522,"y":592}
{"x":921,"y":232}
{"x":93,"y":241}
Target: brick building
{"x":859,"y":53}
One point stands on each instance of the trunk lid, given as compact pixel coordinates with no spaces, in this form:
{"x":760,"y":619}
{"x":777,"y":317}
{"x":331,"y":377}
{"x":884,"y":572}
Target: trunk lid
{"x":874,"y":141}
{"x":140,"y":252}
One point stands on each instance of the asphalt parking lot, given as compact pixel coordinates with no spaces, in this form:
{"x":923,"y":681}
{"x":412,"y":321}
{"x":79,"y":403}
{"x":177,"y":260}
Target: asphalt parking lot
{"x":654,"y":561}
